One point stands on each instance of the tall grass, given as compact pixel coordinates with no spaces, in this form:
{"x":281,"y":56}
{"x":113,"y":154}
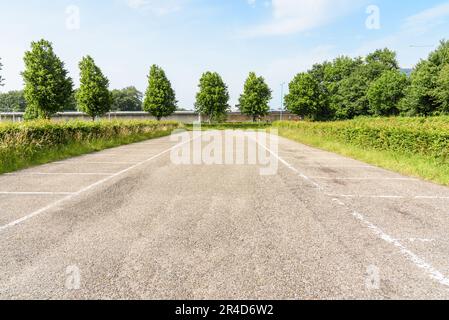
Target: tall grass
{"x":31,"y":143}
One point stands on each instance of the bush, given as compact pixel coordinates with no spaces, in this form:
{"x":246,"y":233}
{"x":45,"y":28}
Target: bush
{"x":428,"y":137}
{"x":37,"y":142}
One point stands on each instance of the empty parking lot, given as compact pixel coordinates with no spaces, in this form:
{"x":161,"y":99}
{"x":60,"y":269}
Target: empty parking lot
{"x":130,"y":223}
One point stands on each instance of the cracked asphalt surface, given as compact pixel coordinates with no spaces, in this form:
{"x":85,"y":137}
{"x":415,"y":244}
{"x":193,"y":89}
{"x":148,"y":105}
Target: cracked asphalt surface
{"x":134,"y":225}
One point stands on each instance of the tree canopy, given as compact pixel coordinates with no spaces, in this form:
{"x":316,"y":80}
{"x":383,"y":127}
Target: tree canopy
{"x":213,"y":96}
{"x":255,"y":98}
{"x":160,"y":100}
{"x":127,"y":99}
{"x":47,"y":85}
{"x":93,"y":96}
{"x":12,"y":101}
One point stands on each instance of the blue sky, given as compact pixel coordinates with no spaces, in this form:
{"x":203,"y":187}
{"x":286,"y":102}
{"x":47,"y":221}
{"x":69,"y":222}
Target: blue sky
{"x":276,"y":38}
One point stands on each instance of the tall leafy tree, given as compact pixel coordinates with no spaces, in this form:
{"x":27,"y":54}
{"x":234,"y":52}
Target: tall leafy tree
{"x":213,"y":96}
{"x":127,"y":99}
{"x":427,"y":86}
{"x":12,"y":101}
{"x":93,"y":96}
{"x":160,"y":99}
{"x":305,"y":97}
{"x":385,"y":93}
{"x":255,"y":98}
{"x":442,"y":92}
{"x":47,"y":85}
{"x":1,"y":78}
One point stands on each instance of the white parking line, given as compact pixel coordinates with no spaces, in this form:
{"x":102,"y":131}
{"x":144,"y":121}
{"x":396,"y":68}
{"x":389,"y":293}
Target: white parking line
{"x":432,"y":272}
{"x":36,"y":193}
{"x":387,"y":196}
{"x":90,"y":187}
{"x":93,"y":162}
{"x":58,"y":174}
{"x":365,"y":178}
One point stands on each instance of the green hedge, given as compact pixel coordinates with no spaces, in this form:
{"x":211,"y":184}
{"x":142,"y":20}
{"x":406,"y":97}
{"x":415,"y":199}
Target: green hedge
{"x":30,"y":143}
{"x":424,"y":136}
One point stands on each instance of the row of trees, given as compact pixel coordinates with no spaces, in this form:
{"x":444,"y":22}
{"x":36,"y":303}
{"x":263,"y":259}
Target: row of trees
{"x":127,"y":99}
{"x":48,"y":89}
{"x":375,"y":85}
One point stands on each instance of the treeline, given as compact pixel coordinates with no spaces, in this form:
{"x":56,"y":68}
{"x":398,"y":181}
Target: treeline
{"x":346,"y":87}
{"x":48,"y":89}
{"x":126,"y":99}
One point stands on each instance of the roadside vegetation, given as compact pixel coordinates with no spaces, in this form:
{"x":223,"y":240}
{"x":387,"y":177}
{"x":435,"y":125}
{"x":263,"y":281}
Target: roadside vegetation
{"x":37,"y":142}
{"x":412,"y":146}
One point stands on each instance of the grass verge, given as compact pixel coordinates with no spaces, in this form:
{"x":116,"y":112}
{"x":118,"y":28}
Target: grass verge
{"x":415,"y":165}
{"x":34,"y":143}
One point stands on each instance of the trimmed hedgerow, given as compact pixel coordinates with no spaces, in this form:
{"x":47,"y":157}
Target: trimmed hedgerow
{"x":428,"y":137}
{"x":31,"y":143}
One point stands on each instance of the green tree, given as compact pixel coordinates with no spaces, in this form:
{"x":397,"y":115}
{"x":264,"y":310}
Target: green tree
{"x":213,"y":96}
{"x":127,"y":99}
{"x":378,"y":62}
{"x":47,"y":85}
{"x":386,"y":92}
{"x":442,"y":92}
{"x":424,"y":96}
{"x":1,"y":78}
{"x":12,"y":101}
{"x":255,"y":98}
{"x":93,"y":96}
{"x":305,"y":97}
{"x":160,"y":99}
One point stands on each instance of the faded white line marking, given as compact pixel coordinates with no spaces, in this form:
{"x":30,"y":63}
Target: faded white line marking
{"x":365,"y":178}
{"x":57,"y":174}
{"x":386,"y":197}
{"x":288,"y":165}
{"x":88,"y":188}
{"x":420,"y":263}
{"x":93,"y":162}
{"x":35,"y":193}
{"x":411,"y":256}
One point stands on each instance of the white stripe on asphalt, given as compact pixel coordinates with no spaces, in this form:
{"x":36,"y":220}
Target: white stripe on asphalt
{"x":387,"y":197}
{"x":93,"y":162}
{"x":57,"y":174}
{"x":411,"y":256}
{"x":35,"y":193}
{"x":366,"y":178}
{"x":88,"y":188}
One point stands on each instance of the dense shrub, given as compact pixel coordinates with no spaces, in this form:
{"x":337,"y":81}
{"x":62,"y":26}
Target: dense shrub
{"x":424,"y":136}
{"x":42,"y":141}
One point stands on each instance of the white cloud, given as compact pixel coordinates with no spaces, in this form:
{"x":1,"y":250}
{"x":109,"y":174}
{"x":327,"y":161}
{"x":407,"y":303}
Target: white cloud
{"x":158,"y":7}
{"x":427,"y":19}
{"x":293,"y":16}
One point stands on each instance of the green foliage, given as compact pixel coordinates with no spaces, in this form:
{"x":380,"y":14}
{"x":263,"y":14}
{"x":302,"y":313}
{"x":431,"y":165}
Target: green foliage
{"x":1,"y":78}
{"x":426,"y":95}
{"x":160,"y":100}
{"x":93,"y":96}
{"x":47,"y":85}
{"x":37,"y":142}
{"x":12,"y":101}
{"x":305,"y":98}
{"x":386,"y":92}
{"x":428,"y":137}
{"x":127,"y":99}
{"x":213,"y":96}
{"x":442,"y":94}
{"x":255,"y":98}
{"x":339,"y":89}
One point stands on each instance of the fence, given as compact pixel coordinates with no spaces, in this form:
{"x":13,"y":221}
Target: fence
{"x":180,"y":116}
